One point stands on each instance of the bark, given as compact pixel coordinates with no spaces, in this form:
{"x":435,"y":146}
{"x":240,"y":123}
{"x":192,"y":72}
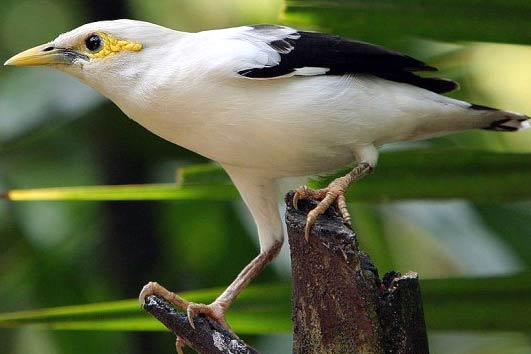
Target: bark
{"x":401,"y":314}
{"x":339,"y":303}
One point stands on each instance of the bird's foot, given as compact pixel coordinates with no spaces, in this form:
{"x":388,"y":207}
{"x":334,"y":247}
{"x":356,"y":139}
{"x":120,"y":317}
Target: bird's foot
{"x":215,"y":310}
{"x":334,"y":193}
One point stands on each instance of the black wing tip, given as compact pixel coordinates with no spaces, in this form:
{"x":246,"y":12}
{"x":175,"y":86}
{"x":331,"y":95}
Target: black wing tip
{"x":437,"y":85}
{"x":433,"y":84}
{"x":423,"y":67}
{"x":416,"y":64}
{"x":412,"y":65}
{"x":479,"y":107}
{"x":449,"y":85}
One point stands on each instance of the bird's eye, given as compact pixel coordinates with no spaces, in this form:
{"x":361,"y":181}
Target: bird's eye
{"x":93,"y":42}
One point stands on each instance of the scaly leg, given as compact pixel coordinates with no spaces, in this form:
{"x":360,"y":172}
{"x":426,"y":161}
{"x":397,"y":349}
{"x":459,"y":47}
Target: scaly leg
{"x":335,"y":192}
{"x":215,"y":310}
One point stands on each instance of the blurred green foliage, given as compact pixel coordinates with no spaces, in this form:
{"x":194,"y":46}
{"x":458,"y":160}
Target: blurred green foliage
{"x":55,"y":132}
{"x":462,"y":303}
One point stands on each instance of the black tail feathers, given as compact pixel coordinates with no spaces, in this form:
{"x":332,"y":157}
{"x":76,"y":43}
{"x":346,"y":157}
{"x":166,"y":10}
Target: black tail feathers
{"x":503,"y":121}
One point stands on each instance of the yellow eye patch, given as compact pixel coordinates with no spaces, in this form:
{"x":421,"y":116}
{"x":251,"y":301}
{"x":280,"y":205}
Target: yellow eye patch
{"x":111,"y":46}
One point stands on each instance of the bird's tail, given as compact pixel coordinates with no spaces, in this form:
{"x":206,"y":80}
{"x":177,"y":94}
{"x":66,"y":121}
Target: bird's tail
{"x":502,"y":121}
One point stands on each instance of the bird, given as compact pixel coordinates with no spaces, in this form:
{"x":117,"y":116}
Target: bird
{"x":266,"y":102}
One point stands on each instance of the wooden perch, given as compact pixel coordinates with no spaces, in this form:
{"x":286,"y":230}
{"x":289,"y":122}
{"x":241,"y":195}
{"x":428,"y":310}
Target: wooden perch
{"x":339,"y":303}
{"x":207,"y":338}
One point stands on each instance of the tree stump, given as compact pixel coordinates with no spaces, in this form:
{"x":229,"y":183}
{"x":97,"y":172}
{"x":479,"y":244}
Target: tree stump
{"x":339,"y":304}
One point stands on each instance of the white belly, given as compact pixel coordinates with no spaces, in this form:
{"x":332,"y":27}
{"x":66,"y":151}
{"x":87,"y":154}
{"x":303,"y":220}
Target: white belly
{"x":297,"y":126}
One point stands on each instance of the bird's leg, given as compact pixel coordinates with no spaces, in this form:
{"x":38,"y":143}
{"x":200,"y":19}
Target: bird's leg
{"x":335,"y":192}
{"x":216,"y":310}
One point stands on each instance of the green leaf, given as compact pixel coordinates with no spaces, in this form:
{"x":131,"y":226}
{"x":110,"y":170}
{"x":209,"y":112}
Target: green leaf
{"x":208,"y":173}
{"x":478,"y":176}
{"x":387,"y":21}
{"x":126,"y":315}
{"x":166,"y":191}
{"x":493,"y":303}
{"x":489,"y":303}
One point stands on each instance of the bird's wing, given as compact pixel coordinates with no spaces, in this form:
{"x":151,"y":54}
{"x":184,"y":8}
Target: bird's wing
{"x":271,"y":51}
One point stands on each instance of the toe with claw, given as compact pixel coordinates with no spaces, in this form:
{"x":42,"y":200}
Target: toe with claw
{"x":334,"y":193}
{"x":154,"y":288}
{"x":179,"y":345}
{"x":306,"y":192}
{"x":215,"y":310}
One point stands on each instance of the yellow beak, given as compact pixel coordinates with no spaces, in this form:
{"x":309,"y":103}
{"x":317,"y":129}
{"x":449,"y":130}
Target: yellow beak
{"x":45,"y":54}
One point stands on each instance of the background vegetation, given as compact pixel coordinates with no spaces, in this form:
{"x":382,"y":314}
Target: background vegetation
{"x":462,"y":201}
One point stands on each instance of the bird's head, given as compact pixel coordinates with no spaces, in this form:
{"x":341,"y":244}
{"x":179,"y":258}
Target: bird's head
{"x":100,"y":52}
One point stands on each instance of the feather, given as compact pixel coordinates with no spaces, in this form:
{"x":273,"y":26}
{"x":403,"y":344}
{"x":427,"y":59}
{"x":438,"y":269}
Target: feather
{"x":335,"y":55}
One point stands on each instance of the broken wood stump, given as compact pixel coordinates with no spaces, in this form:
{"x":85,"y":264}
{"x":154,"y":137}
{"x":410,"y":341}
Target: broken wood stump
{"x":339,"y":303}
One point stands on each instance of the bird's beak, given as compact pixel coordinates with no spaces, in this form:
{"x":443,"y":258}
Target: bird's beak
{"x":45,"y":54}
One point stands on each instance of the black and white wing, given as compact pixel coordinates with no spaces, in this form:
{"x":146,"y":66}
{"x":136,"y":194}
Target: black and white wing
{"x":282,"y":52}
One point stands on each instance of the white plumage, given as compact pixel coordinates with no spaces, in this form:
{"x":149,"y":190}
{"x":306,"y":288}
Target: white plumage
{"x":268,"y":102}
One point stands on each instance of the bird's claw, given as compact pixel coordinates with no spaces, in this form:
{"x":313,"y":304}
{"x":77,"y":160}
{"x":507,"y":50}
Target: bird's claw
{"x":147,"y":290}
{"x":179,"y":345}
{"x":154,"y":288}
{"x":334,"y":193}
{"x":301,"y":193}
{"x":215,"y":311}
{"x":296,"y":197}
{"x":306,"y":192}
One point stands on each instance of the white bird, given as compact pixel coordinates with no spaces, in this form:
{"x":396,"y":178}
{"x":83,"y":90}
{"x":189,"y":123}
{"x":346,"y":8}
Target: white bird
{"x":266,"y":102}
